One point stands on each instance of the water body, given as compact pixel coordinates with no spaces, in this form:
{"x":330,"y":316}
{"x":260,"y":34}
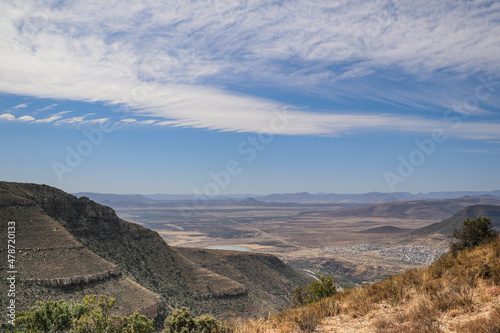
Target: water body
{"x":232,"y":248}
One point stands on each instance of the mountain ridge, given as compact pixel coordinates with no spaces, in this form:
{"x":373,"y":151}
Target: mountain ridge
{"x":299,"y":197}
{"x":446,"y":226}
{"x":142,"y":256}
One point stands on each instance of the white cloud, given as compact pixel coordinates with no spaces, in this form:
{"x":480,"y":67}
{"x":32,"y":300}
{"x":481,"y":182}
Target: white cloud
{"x":72,"y":120}
{"x":26,"y":118}
{"x":48,"y":107}
{"x":49,"y":119}
{"x":7,"y":116}
{"x":81,"y":121}
{"x":147,"y":122}
{"x":157,"y":58}
{"x":128,"y":120}
{"x":96,"y":121}
{"x":20,"y":106}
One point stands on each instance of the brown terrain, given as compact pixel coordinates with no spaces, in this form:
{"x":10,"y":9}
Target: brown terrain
{"x":355,"y":244}
{"x":68,"y":247}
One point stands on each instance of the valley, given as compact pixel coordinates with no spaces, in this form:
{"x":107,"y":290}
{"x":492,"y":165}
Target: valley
{"x":356,"y":244}
{"x":230,"y":258}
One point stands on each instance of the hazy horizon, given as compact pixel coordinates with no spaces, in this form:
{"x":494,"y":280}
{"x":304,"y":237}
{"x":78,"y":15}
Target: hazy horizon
{"x":277,"y":193}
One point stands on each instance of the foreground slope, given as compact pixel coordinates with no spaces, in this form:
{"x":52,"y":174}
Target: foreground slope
{"x":455,"y":294}
{"x":139,"y":255}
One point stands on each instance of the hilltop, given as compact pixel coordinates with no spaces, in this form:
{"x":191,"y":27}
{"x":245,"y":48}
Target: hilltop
{"x":446,"y":227}
{"x":419,"y":209}
{"x":70,"y":246}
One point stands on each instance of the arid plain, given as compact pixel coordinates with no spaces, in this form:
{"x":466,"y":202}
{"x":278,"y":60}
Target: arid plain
{"x":355,"y":244}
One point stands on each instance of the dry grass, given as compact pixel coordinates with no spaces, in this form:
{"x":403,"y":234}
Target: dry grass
{"x":488,"y":324}
{"x":423,"y":300}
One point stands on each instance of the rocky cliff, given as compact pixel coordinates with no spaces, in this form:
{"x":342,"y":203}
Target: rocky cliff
{"x":70,"y":246}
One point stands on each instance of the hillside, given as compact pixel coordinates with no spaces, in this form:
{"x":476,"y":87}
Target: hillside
{"x":446,"y":227}
{"x":265,"y":276}
{"x":455,"y":294}
{"x":420,"y":209}
{"x":372,"y":197}
{"x":64,"y":237}
{"x":52,"y":264}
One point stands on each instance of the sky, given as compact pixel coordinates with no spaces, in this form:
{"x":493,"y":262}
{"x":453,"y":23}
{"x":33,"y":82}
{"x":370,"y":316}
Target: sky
{"x":225,"y":97}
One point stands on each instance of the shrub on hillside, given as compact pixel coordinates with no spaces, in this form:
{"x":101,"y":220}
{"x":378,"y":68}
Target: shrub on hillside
{"x":50,"y":316}
{"x":315,"y":291}
{"x":94,"y":315}
{"x":181,"y":321}
{"x":473,"y":233}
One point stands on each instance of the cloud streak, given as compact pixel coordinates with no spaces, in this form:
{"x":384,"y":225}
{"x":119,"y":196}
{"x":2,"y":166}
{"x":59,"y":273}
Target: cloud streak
{"x":173,"y":61}
{"x":20,"y":106}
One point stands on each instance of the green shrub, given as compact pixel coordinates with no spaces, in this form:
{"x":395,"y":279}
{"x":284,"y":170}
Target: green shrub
{"x":93,"y":315}
{"x":50,"y":316}
{"x":473,"y":233}
{"x":181,"y":321}
{"x":315,"y":291}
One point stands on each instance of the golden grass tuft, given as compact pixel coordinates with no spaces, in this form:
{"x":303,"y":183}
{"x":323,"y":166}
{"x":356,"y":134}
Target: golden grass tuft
{"x":487,"y":324}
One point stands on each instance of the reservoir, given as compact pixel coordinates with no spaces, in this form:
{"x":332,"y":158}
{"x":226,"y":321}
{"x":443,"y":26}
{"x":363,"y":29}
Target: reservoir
{"x":232,"y":248}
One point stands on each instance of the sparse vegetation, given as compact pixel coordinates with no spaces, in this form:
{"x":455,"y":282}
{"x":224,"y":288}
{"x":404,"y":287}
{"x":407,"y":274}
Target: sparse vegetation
{"x":488,"y":324}
{"x":93,"y":315}
{"x":419,"y":300}
{"x":473,"y":233}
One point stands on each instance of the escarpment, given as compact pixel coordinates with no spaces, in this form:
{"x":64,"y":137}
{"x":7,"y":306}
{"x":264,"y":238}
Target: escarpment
{"x":69,"y":246}
{"x":67,"y":281}
{"x":50,"y":261}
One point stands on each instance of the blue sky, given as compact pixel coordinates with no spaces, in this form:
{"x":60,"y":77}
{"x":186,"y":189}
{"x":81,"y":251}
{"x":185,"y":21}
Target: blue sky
{"x":251,"y":96}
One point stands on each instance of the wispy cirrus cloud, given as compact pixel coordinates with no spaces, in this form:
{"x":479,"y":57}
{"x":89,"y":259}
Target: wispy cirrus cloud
{"x":48,"y":107}
{"x":82,"y":120}
{"x":50,"y":119}
{"x":174,"y":61}
{"x":20,"y":106}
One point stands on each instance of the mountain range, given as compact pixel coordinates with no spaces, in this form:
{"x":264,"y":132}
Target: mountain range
{"x":302,"y":197}
{"x":446,"y":226}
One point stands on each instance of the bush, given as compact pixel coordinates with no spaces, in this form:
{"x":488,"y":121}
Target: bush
{"x":181,"y":321}
{"x":50,"y":316}
{"x":315,"y":291}
{"x":473,"y":233}
{"x":93,"y":315}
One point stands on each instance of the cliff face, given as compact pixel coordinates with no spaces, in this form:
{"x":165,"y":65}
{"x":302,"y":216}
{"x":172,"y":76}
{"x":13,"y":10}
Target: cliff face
{"x":124,"y":250}
{"x":78,"y":279}
{"x":51,"y":264}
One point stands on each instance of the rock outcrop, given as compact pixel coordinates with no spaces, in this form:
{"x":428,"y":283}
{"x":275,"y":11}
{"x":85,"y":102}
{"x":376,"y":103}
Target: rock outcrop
{"x":67,"y":281}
